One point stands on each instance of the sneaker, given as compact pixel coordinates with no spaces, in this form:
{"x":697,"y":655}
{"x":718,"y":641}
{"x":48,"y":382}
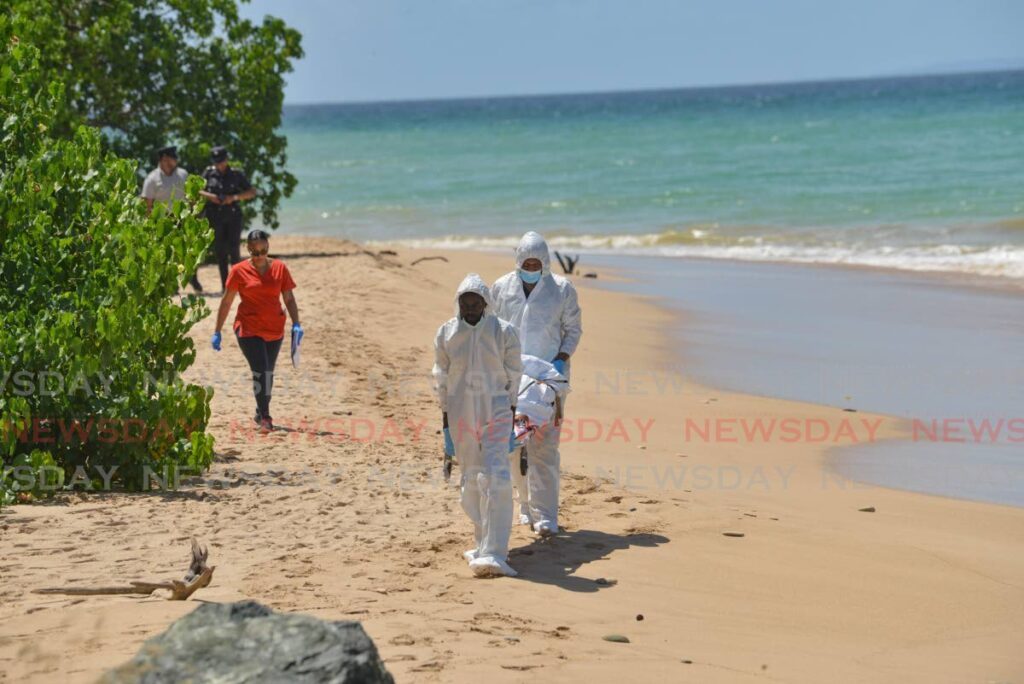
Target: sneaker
{"x":489,"y":566}
{"x":258,"y":419}
{"x":266,"y":424}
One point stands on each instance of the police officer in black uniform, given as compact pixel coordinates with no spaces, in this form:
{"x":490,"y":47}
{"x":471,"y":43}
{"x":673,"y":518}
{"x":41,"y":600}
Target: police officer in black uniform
{"x":225,"y":188}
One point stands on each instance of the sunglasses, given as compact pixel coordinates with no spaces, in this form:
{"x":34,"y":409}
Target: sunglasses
{"x":259,"y":252}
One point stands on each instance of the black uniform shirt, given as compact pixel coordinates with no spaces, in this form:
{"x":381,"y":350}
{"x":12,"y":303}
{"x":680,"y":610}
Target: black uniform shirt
{"x":231,"y":182}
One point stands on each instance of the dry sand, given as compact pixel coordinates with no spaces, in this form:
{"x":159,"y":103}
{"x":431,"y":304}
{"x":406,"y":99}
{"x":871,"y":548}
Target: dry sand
{"x":925,"y":589}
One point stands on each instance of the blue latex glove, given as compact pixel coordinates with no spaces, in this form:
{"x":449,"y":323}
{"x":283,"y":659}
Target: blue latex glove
{"x":297,"y":333}
{"x":512,"y":445}
{"x":449,"y":445}
{"x":216,"y":341}
{"x":559,"y":365}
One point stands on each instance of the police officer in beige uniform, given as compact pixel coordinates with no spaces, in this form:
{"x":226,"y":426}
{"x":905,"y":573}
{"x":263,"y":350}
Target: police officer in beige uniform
{"x":165,"y":184}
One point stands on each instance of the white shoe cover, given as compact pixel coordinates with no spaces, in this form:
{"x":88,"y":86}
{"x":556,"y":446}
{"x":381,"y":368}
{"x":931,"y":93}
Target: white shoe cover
{"x":470,"y":555}
{"x":489,"y":566}
{"x":545,"y":529}
{"x":524,"y":519}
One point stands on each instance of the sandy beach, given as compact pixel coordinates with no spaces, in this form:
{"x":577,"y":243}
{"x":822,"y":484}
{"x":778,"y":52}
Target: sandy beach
{"x":342,"y":514}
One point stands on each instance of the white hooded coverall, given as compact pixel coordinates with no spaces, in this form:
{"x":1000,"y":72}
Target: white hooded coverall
{"x":476,"y":372}
{"x":549,"y":322}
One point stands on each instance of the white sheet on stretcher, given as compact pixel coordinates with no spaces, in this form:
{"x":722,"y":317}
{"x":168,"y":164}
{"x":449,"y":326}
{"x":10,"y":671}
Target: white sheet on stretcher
{"x":539,"y":389}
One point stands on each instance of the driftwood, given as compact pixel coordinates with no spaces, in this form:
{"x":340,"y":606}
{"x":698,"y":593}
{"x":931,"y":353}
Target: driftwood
{"x":430,"y":258}
{"x":198,"y":576}
{"x":322,"y":255}
{"x":567,"y":262}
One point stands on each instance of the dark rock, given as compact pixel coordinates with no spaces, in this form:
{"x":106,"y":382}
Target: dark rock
{"x":248,"y":642}
{"x":869,"y":509}
{"x":617,"y":638}
{"x":639,"y":618}
{"x":733,"y":534}
{"x":590,"y":275}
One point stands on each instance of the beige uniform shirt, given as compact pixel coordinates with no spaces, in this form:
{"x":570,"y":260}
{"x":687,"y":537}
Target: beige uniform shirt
{"x":161,"y":188}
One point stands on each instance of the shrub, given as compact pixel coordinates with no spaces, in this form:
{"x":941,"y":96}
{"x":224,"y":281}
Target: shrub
{"x":92,"y":342}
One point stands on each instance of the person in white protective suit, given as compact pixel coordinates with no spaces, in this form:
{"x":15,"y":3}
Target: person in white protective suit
{"x":477,"y":368}
{"x":545,"y":310}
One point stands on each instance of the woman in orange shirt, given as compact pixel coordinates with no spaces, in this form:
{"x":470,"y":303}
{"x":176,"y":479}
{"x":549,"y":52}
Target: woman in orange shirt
{"x":262,"y":283}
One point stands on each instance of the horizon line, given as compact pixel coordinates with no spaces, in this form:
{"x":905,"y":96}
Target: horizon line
{"x":659,"y":89}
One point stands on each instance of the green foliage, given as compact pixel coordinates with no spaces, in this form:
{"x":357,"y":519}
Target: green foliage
{"x":92,"y":343}
{"x":152,"y":72}
{"x":8,"y":494}
{"x":34,"y":475}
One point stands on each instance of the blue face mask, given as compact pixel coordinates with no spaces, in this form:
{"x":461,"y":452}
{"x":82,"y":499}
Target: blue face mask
{"x":530,"y":277}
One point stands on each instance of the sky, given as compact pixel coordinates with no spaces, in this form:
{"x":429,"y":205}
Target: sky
{"x":373,"y":50}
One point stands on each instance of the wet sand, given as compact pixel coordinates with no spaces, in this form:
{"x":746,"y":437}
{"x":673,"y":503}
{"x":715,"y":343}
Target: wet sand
{"x":940,"y":356}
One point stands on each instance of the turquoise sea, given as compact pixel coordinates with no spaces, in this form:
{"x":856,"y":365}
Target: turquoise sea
{"x":921,"y":173}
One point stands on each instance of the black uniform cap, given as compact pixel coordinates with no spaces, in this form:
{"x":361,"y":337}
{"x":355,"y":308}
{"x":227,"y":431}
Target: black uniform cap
{"x":219,"y":154}
{"x":169,"y":151}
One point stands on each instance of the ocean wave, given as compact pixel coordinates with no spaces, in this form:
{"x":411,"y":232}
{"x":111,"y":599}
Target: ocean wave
{"x":997,"y":261}
{"x":1002,"y":261}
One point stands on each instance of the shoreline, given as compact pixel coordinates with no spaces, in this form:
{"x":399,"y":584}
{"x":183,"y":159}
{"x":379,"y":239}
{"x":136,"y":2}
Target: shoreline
{"x":927,"y":585}
{"x":970,"y":433}
{"x":948,"y":278}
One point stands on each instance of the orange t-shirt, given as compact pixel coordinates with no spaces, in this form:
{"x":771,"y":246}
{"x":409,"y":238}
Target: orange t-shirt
{"x":259,"y":313}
